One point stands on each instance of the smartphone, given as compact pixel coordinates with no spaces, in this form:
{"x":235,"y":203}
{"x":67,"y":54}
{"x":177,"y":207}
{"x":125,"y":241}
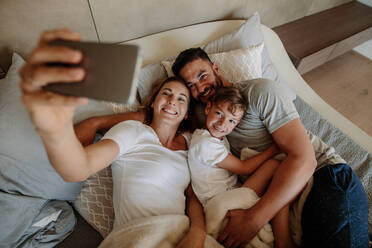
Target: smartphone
{"x":111,"y":71}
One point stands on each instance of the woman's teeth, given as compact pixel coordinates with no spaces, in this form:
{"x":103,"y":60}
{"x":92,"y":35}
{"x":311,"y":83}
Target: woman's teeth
{"x":169,"y":111}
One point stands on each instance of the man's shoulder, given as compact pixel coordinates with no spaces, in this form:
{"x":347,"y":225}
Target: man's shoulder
{"x":259,"y":85}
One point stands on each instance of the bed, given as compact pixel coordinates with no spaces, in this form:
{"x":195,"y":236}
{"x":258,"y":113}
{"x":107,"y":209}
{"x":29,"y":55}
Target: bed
{"x":354,"y":145}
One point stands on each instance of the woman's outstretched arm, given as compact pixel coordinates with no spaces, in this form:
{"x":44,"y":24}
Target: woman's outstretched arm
{"x":52,"y":113}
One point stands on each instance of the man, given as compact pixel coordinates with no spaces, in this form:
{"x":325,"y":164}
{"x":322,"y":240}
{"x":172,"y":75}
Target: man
{"x":271,"y":117}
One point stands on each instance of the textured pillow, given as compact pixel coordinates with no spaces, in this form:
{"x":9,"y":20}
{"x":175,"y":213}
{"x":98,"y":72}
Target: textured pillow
{"x":95,"y":201}
{"x":147,"y":77}
{"x":248,"y":34}
{"x":236,"y":65}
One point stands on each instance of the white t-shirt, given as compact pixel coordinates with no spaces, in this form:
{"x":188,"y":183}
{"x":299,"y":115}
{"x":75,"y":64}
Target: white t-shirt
{"x":149,"y":179}
{"x":207,"y":178}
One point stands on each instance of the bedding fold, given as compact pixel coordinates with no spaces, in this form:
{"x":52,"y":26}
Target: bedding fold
{"x":168,"y":230}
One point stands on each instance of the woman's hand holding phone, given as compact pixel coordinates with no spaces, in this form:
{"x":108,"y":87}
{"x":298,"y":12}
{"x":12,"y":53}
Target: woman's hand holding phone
{"x":51,"y":112}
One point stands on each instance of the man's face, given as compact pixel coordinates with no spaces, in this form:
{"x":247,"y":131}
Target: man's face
{"x":202,"y":78}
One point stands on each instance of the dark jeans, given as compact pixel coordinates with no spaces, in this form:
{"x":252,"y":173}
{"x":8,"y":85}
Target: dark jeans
{"x":335,"y":213}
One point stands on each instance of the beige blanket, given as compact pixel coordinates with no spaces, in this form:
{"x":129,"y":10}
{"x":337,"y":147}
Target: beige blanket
{"x":167,"y":230}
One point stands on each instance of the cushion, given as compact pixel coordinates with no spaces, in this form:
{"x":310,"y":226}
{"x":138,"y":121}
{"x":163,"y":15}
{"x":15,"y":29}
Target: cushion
{"x":147,"y":77}
{"x":25,"y":168}
{"x":249,"y":34}
{"x":94,"y":203}
{"x":236,"y":65}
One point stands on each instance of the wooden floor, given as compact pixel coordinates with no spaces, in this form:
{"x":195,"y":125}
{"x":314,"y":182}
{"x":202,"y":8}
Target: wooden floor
{"x":345,"y":83}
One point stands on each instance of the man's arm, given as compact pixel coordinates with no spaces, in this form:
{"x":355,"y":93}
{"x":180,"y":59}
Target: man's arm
{"x":294,"y":172}
{"x":196,"y":234}
{"x":287,"y":182}
{"x":86,"y":130}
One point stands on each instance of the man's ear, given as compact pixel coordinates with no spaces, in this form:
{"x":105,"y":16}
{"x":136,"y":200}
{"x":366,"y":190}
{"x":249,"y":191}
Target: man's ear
{"x":207,"y":108}
{"x":215,"y":68}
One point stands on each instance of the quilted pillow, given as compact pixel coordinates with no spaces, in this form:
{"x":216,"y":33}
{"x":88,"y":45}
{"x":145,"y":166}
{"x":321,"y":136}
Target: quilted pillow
{"x":236,"y":65}
{"x":249,"y":34}
{"x":95,"y":201}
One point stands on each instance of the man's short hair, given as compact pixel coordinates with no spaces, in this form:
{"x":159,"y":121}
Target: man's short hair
{"x":231,"y":95}
{"x":188,"y":56}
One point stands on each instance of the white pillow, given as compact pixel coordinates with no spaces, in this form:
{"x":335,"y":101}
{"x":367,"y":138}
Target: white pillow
{"x":235,"y":65}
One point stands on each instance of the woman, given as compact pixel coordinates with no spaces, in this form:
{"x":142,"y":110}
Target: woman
{"x":148,"y":156}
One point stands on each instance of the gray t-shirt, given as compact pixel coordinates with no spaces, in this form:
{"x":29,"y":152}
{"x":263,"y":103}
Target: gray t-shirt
{"x":269,"y":108}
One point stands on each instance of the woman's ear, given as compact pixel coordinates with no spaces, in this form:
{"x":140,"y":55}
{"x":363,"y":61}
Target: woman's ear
{"x":207,"y":108}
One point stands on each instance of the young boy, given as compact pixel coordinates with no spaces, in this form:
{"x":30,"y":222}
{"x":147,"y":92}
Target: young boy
{"x":214,"y":169}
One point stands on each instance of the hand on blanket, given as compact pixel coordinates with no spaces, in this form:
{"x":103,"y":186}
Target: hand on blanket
{"x":194,"y":238}
{"x":51,"y":112}
{"x":241,"y":228}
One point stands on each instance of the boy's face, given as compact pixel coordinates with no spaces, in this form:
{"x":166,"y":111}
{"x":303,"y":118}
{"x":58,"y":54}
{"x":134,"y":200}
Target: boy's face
{"x":220,"y":120}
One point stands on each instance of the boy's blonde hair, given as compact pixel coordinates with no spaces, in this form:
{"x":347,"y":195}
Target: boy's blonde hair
{"x":231,"y":95}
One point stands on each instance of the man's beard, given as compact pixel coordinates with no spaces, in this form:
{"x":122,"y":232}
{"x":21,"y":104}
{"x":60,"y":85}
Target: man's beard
{"x":218,"y":84}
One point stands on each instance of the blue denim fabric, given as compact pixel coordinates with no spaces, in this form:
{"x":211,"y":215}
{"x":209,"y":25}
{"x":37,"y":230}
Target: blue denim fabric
{"x":335,"y":213}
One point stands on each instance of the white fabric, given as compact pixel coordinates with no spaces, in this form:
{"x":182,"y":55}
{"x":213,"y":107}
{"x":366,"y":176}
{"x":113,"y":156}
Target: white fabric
{"x":207,"y":178}
{"x":148,"y":178}
{"x":240,"y":198}
{"x":236,"y":65}
{"x":166,"y":231}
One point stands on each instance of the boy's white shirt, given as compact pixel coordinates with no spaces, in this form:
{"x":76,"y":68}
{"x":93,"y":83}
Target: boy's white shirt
{"x":207,"y":179}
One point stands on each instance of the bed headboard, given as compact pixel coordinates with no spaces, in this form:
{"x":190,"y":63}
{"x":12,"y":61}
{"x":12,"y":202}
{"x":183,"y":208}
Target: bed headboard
{"x":21,"y":22}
